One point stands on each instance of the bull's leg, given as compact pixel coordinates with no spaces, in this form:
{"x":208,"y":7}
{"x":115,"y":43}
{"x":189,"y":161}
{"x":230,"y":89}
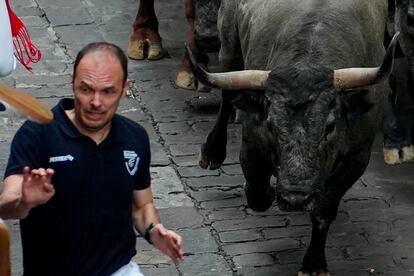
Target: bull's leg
{"x":396,"y":149}
{"x":213,"y":151}
{"x":257,"y":171}
{"x":315,"y":259}
{"x":353,"y":166}
{"x":145,"y":40}
{"x":185,"y":77}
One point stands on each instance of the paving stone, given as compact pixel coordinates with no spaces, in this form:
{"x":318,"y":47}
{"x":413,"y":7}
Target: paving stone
{"x":282,"y":270}
{"x":184,"y":138}
{"x":229,"y":213}
{"x":239,"y":236}
{"x":225,"y":203}
{"x":174,"y":128}
{"x":198,"y":241}
{"x":289,"y":231}
{"x":167,"y":188}
{"x":216,"y":194}
{"x":61,"y":16}
{"x":260,"y":246}
{"x":196,"y":172}
{"x":255,"y":259}
{"x":232,"y":169}
{"x":221,"y":182}
{"x":181,"y":150}
{"x":181,"y":217}
{"x":249,"y":223}
{"x":205,"y":265}
{"x":186,"y":161}
{"x":158,"y":270}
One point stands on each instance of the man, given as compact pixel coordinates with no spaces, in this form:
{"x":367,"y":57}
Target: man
{"x":74,"y":183}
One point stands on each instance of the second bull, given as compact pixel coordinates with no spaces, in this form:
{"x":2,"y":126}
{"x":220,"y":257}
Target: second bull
{"x":309,"y":116}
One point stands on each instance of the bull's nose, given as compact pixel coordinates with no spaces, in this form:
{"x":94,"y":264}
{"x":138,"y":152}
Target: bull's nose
{"x":295,"y":201}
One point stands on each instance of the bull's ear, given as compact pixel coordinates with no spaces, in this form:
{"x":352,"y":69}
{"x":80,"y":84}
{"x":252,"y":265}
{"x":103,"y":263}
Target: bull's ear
{"x":252,"y":102}
{"x":354,"y":104}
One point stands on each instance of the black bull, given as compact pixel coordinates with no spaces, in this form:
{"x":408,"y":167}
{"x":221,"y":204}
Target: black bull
{"x":306,"y":119}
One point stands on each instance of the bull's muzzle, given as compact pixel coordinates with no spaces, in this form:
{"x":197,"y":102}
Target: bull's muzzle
{"x":297,"y":201}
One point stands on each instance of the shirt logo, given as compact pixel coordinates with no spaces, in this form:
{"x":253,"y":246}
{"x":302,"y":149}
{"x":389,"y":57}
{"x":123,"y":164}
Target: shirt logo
{"x":131,"y":161}
{"x":61,"y":158}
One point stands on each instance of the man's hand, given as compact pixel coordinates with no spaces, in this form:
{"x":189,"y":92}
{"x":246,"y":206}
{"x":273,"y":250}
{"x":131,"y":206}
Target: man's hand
{"x":37,"y":186}
{"x":168,"y":242}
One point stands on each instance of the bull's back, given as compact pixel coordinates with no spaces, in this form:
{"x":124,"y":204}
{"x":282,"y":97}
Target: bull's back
{"x":281,"y":32}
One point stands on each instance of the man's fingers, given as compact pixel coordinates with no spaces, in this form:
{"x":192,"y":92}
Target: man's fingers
{"x":49,"y":172}
{"x":26,"y":171}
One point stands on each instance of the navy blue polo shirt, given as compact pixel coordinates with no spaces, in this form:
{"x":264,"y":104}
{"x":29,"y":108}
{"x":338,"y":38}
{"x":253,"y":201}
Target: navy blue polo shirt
{"x":86,"y":227}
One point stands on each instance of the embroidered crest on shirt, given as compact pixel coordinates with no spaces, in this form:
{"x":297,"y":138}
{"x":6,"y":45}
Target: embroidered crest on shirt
{"x":61,"y":158}
{"x":131,"y":161}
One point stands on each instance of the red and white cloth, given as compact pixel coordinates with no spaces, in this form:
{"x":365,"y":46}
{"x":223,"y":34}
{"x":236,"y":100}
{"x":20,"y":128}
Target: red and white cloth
{"x":14,"y":34}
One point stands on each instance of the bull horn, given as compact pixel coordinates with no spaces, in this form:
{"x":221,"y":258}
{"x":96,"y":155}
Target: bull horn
{"x":348,"y":78}
{"x":236,"y":80}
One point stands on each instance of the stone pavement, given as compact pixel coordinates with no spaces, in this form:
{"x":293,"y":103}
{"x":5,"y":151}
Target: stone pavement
{"x":374,"y":230}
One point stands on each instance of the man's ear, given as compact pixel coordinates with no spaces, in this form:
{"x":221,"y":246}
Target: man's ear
{"x":126,"y":87}
{"x":354,"y":104}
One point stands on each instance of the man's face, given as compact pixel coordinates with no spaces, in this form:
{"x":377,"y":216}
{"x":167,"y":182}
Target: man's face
{"x":98,"y":87}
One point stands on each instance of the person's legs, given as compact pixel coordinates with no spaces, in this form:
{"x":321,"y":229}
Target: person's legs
{"x":130,"y":269}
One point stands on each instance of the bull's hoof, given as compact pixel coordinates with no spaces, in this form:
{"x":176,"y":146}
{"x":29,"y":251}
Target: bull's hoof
{"x":136,"y":49}
{"x":319,"y":273}
{"x":393,"y":156}
{"x":185,"y":80}
{"x":206,"y":162}
{"x":259,"y":200}
{"x":155,"y":51}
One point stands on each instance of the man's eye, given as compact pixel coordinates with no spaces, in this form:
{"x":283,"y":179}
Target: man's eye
{"x":109,"y":91}
{"x":84,"y":89}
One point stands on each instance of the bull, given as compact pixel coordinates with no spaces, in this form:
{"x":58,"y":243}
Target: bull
{"x":308,"y":78}
{"x":398,"y":147}
{"x":201,"y":36}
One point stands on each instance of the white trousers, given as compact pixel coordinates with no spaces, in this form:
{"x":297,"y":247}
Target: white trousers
{"x":130,"y":269}
{"x":7,"y":60}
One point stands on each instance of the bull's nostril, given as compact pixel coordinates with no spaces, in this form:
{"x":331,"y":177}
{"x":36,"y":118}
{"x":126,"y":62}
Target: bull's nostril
{"x":296,"y":200}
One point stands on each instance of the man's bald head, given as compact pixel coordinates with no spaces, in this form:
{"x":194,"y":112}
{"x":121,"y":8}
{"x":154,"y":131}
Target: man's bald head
{"x":104,"y":47}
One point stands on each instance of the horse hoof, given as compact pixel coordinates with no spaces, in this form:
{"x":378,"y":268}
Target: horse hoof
{"x":136,"y":49}
{"x":155,"y":51}
{"x":391,"y":156}
{"x":408,"y":154}
{"x":185,"y":80}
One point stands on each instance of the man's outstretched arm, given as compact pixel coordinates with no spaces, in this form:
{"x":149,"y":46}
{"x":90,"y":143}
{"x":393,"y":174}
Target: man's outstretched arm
{"x":22,"y":192}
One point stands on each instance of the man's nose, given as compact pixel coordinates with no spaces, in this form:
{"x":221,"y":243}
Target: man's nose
{"x":96,"y":100}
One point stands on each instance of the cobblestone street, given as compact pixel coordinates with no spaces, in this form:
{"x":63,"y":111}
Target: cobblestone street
{"x":372,"y":235}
